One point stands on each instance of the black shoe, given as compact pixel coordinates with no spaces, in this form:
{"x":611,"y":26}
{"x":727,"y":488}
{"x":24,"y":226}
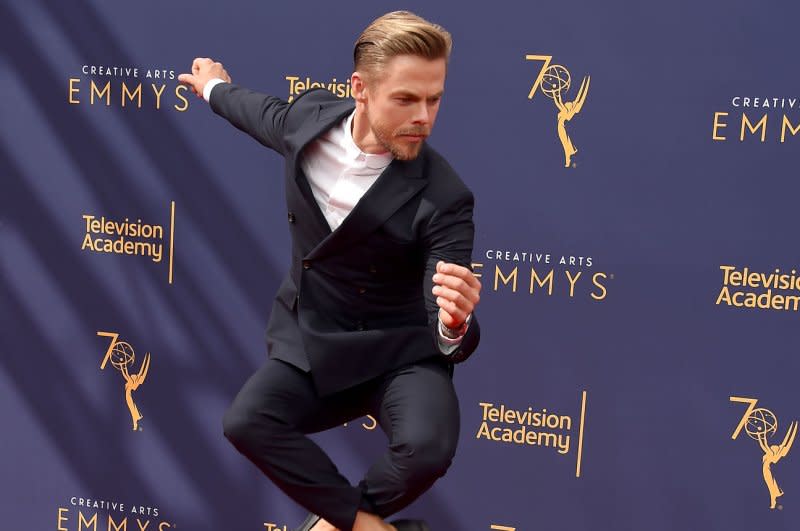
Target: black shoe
{"x":411,"y":525}
{"x":309,"y":522}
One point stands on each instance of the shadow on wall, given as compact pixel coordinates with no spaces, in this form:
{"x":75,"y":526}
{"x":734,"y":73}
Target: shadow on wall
{"x":91,"y":447}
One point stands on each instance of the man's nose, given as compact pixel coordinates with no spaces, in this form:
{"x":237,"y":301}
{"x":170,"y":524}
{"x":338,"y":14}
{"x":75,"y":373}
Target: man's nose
{"x":421,"y":114}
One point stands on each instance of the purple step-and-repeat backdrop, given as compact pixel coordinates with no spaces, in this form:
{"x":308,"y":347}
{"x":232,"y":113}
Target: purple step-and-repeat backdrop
{"x":640,"y":353}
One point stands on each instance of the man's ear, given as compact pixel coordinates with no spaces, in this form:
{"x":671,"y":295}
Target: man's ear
{"x":358,"y":87}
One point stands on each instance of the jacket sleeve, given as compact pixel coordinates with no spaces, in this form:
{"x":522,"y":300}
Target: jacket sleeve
{"x":261,"y":116}
{"x":449,"y":237}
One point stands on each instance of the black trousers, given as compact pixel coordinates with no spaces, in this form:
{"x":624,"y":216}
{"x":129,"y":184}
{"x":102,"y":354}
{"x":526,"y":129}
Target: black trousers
{"x":416,"y":406}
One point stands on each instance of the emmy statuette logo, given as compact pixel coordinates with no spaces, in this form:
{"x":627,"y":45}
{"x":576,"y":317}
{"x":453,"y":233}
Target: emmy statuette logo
{"x":760,"y":424}
{"x":122,"y":358}
{"x":554,"y":82}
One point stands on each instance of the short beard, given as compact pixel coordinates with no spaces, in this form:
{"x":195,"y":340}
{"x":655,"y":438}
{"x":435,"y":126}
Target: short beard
{"x":398,"y":150}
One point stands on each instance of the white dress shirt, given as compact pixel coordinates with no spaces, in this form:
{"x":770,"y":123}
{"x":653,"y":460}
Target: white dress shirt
{"x":339,"y":174}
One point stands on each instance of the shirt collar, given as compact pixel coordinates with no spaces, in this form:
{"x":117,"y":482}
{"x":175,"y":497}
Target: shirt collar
{"x":374,"y":161}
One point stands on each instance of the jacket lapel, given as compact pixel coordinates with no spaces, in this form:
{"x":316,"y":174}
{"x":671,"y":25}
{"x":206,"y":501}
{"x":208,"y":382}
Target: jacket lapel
{"x":322,"y":118}
{"x":398,"y":183}
{"x":326,"y":116}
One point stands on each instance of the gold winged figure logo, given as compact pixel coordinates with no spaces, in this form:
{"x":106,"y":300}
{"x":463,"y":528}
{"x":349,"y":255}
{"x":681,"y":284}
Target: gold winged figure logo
{"x":122,"y":357}
{"x":773,"y":454}
{"x":760,"y":424}
{"x":566,"y":111}
{"x":554,"y":82}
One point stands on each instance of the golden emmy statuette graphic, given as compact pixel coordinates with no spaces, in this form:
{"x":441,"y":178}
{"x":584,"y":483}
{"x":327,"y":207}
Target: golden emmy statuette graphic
{"x":760,"y":424}
{"x":555,"y":81}
{"x":121,"y":356}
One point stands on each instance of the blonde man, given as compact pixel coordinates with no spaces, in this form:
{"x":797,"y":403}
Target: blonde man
{"x":377,"y":305}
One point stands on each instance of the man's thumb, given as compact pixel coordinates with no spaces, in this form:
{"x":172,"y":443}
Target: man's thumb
{"x":187,"y":79}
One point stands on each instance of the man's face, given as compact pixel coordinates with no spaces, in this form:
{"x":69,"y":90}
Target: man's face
{"x":402,"y":102}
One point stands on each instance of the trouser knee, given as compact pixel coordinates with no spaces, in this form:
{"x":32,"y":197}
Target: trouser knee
{"x":244,"y":427}
{"x":421,"y":463}
{"x":235,"y":425}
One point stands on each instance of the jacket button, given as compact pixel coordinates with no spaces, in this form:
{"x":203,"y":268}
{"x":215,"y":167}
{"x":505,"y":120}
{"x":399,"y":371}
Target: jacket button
{"x":360,"y":325}
{"x":306,"y":264}
{"x":373,"y":269}
{"x":291,"y":217}
{"x":362,"y":291}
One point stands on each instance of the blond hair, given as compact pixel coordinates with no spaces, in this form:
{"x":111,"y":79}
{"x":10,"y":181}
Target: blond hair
{"x":399,"y":33}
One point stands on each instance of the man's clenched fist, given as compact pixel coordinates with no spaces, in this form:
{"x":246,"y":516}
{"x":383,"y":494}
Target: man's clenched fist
{"x":457,"y":293}
{"x":203,"y":71}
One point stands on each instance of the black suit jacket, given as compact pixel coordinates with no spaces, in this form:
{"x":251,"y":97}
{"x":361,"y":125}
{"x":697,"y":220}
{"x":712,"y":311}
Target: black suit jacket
{"x":357,"y":301}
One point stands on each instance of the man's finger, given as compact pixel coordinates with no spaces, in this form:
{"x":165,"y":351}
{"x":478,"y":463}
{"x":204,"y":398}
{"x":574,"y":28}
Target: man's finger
{"x":450,"y":308}
{"x":446,"y":318}
{"x":462,"y":300}
{"x":449,"y":319}
{"x":187,"y":79}
{"x":198,"y":62}
{"x":455,"y":289}
{"x":463,"y":286}
{"x":459,"y":271}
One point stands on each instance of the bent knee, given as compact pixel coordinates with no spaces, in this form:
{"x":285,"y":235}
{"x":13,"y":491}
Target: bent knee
{"x":428,"y":458}
{"x":236,"y":425}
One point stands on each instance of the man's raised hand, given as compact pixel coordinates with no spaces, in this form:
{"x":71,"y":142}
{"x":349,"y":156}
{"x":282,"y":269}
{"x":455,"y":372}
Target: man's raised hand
{"x":203,"y":71}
